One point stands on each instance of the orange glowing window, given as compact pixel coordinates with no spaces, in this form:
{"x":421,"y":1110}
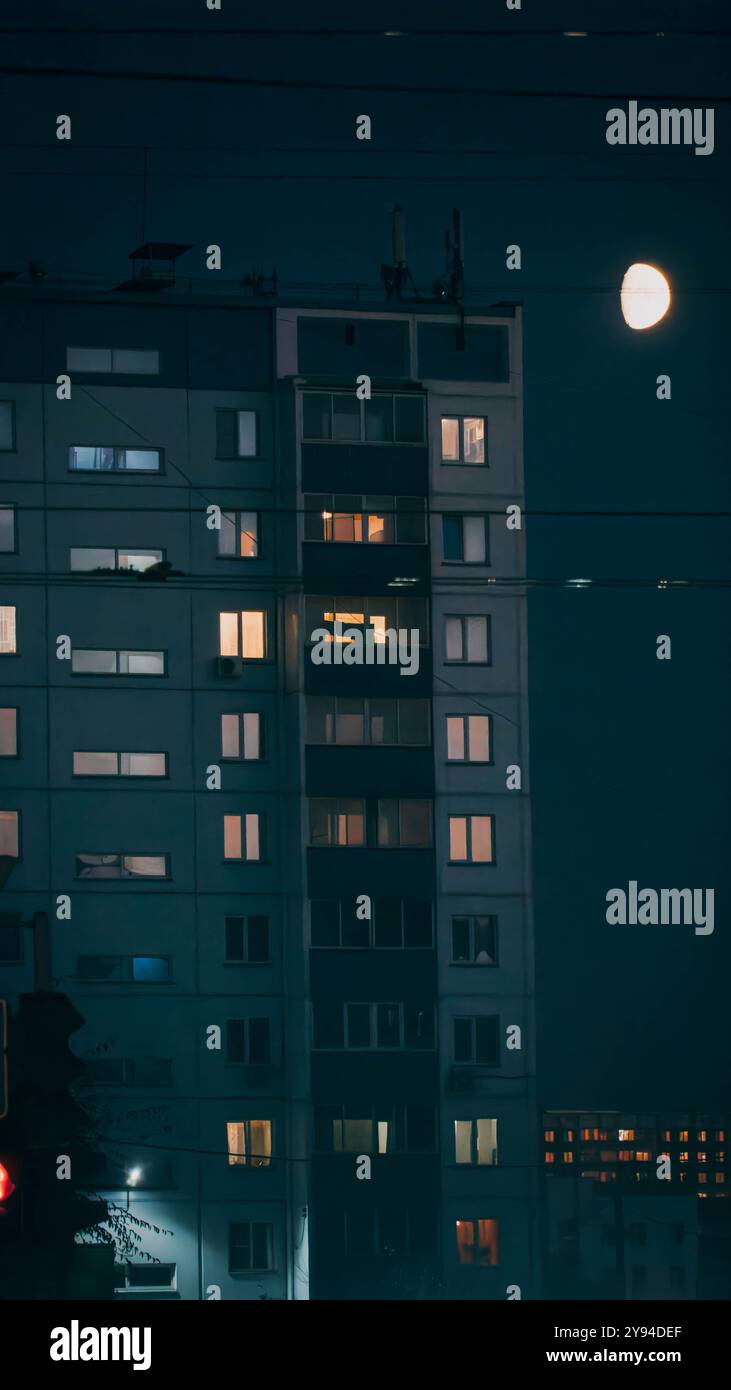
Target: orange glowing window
{"x":549,"y":1158}
{"x":642,"y":1156}
{"x":568,"y":1157}
{"x":549,"y":1135}
{"x":477,"y":1242}
{"x":720,"y":1179}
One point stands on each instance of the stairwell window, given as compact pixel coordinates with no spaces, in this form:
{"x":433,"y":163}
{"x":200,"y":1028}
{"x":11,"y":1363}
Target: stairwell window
{"x":249,"y":1143}
{"x":244,"y":634}
{"x":8,"y":633}
{"x":243,"y":837}
{"x":475,"y":1142}
{"x":237,"y":434}
{"x":84,"y":458}
{"x":477,"y":1242}
{"x":238,"y":537}
{"x":463,"y":439}
{"x":122,"y":866}
{"x":471,"y":840}
{"x":468,"y":738}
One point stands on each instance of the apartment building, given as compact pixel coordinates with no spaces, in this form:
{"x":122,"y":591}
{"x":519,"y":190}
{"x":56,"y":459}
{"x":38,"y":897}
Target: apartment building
{"x":286,"y":858}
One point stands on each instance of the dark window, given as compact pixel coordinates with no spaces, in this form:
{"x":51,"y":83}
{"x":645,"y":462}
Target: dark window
{"x":144,"y":1276}
{"x":325,"y":922}
{"x":10,"y":938}
{"x":476,"y":1040}
{"x":474,"y":940}
{"x":250,"y":1246}
{"x":248,"y":1040}
{"x":452,"y":537}
{"x":328,"y":1025}
{"x":247,"y":939}
{"x":7,"y":426}
{"x":409,"y":415}
{"x":316,"y":415}
{"x":236,"y":434}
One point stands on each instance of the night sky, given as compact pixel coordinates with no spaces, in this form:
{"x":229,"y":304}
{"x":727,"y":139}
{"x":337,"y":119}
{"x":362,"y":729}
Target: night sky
{"x":630,"y":755}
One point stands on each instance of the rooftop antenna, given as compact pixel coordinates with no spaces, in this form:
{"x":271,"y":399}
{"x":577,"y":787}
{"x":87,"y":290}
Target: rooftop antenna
{"x":397,"y":277}
{"x":451,"y":287}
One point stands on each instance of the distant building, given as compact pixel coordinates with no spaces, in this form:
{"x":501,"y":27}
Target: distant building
{"x":292,"y":900}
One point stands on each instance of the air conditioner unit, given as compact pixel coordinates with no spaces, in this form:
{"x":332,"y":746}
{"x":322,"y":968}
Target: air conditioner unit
{"x":229,"y":666}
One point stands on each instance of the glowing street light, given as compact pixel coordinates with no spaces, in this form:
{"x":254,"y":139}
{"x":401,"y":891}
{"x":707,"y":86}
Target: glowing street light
{"x":645,"y":296}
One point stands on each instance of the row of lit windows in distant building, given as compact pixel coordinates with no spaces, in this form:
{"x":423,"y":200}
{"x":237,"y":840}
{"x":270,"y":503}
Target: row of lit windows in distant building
{"x":327,"y":417}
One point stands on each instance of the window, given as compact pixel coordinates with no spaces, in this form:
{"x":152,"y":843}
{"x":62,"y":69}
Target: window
{"x":403,"y":824}
{"x":395,"y":924}
{"x":249,"y":1143}
{"x":11,"y":952}
{"x":151,"y":970}
{"x":10,"y":833}
{"x":475,"y":1141}
{"x":464,"y":539}
{"x":116,"y":361}
{"x":467,"y":638}
{"x":129,"y":1071}
{"x":8,"y":640}
{"x":244,"y":634}
{"x":383,"y":1129}
{"x":246,"y":940}
{"x":250,"y":1246}
{"x":337,"y":820}
{"x":471,"y":840}
{"x":371,"y":519}
{"x":376,"y":615}
{"x":8,"y":731}
{"x":474,"y":940}
{"x":243,"y":837}
{"x":144,"y":1276}
{"x":468,"y":738}
{"x":340,"y":417}
{"x":122,"y":866}
{"x":95,"y":661}
{"x":7,"y":529}
{"x":476,"y":1040}
{"x":477,"y":1242}
{"x":463,"y":439}
{"x":102,"y":459}
{"x":380,"y":1027}
{"x":237,"y":434}
{"x":242,"y":736}
{"x":120,"y":764}
{"x":355,"y":720}
{"x":238,"y":537}
{"x":248,"y":1041}
{"x":85,"y":559}
{"x":7,"y":427}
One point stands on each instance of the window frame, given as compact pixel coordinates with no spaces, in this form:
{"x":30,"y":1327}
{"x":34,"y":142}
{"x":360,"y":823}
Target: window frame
{"x":13,"y":508}
{"x":90,"y":371}
{"x":252,"y":1270}
{"x":121,"y":855}
{"x":474,"y":1159}
{"x":461,"y":517}
{"x":237,"y":513}
{"x":392,"y":443}
{"x":469,"y":862}
{"x":475,"y":1221}
{"x":245,"y":918}
{"x":117,"y":450}
{"x":123,"y":675}
{"x":16,"y":648}
{"x":118,"y":569}
{"x":118,"y":775}
{"x":246,"y":1061}
{"x":126,"y":976}
{"x":16,"y":711}
{"x":467,"y":761}
{"x":364,"y":511}
{"x":462,"y":619}
{"x":247,"y":1160}
{"x":12,"y":403}
{"x":263,"y":744}
{"x":239,"y":410}
{"x":17,"y":812}
{"x":238,"y":613}
{"x":474,"y":1060}
{"x":262,"y":838}
{"x":371,"y":925}
{"x":471,"y":918}
{"x":366,"y":700}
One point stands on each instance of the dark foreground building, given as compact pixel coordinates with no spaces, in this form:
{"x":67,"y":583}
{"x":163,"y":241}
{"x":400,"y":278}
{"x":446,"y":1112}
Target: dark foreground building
{"x":285,"y":856}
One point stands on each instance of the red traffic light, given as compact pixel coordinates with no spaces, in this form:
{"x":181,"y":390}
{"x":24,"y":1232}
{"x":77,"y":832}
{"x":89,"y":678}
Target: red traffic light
{"x":7,"y":1186}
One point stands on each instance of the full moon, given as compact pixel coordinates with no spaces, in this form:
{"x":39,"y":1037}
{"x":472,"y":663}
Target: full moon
{"x":645,"y":296}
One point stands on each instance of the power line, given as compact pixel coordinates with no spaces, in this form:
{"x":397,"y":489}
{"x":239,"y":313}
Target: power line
{"x":331,"y":175}
{"x":288,"y":31}
{"x":312,"y":84}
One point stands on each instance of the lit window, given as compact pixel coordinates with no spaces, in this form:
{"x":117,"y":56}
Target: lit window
{"x":464,"y":539}
{"x":94,"y":661}
{"x":243,"y":634}
{"x":118,"y":361}
{"x":337,"y":821}
{"x":468,"y":738}
{"x":122,"y":866}
{"x":474,"y":940}
{"x":7,"y":529}
{"x":239,"y":535}
{"x":130,"y":969}
{"x":85,"y":559}
{"x":242,"y":837}
{"x":249,"y":1143}
{"x":242,"y":736}
{"x":103,"y":459}
{"x":471,"y":840}
{"x":467,"y":638}
{"x":568,"y":1157}
{"x":626,"y":1136}
{"x":8,"y":731}
{"x":475,"y":1141}
{"x":702,"y":1135}
{"x":7,"y":426}
{"x":8,"y":641}
{"x":463,"y":439}
{"x":549,"y":1135}
{"x":683,"y":1136}
{"x":119,"y":764}
{"x":9,"y":833}
{"x":701,"y":1157}
{"x":250,"y":1246}
{"x":477,"y":1242}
